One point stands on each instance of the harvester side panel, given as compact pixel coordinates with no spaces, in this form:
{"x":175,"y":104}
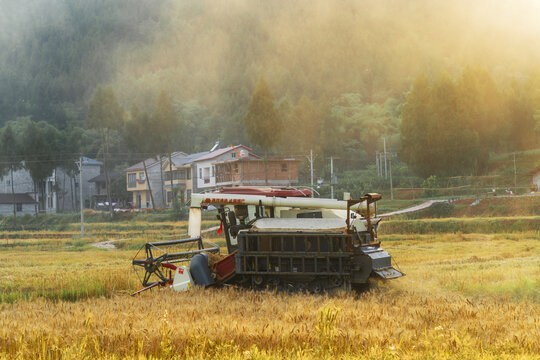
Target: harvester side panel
{"x":292,"y":254}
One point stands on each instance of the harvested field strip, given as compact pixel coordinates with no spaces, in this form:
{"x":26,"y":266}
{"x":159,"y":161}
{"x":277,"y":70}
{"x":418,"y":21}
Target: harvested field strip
{"x":109,"y":230}
{"x":464,"y":225}
{"x":64,"y":235}
{"x":125,"y":226}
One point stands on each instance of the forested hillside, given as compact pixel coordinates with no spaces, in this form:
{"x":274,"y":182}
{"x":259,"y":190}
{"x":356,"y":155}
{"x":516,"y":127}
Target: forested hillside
{"x":340,"y":72}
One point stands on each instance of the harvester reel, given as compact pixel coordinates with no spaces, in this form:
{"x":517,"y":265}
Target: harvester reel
{"x":154,"y":265}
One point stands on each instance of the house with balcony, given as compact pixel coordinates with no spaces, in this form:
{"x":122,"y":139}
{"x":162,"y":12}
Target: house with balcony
{"x":204,"y":178}
{"x":139,"y":186}
{"x":252,"y":172}
{"x":180,"y":171}
{"x":204,"y":172}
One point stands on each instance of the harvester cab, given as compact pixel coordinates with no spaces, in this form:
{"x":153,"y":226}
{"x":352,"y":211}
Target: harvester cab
{"x":281,"y":241}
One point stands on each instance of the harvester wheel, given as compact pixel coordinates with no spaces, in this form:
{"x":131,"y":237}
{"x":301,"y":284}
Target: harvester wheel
{"x":273,"y":282}
{"x":301,"y":288}
{"x":316,"y":287}
{"x":257,"y":281}
{"x":336,"y":281}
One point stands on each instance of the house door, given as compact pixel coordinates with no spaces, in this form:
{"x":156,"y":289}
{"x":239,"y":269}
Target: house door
{"x":139,"y":200}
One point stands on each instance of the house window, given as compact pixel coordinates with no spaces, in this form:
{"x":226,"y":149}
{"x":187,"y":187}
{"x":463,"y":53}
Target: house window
{"x":19,"y":207}
{"x":50,"y":201}
{"x":200,"y":173}
{"x":171,"y":195}
{"x":141,"y":176}
{"x":284,"y":167}
{"x":213,"y":170}
{"x":206,"y":174}
{"x":188,"y":173}
{"x":233,"y":155}
{"x":235,"y":168}
{"x":132,"y":179}
{"x":179,"y":174}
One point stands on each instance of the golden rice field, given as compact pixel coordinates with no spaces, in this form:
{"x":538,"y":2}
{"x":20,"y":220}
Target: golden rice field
{"x":466,"y":296}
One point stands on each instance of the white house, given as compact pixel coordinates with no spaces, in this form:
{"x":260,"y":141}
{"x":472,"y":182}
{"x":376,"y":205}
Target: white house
{"x":68,"y":193}
{"x":24,"y":204}
{"x":204,"y":171}
{"x":535,"y":175}
{"x":59,"y":192}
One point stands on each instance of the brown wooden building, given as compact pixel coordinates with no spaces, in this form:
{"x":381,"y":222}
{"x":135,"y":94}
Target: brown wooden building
{"x":241,"y":172}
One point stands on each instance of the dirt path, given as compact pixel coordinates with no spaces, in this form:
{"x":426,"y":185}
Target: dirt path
{"x":109,"y":244}
{"x":422,"y":206}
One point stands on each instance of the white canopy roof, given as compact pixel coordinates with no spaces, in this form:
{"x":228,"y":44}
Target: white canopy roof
{"x":315,"y":225}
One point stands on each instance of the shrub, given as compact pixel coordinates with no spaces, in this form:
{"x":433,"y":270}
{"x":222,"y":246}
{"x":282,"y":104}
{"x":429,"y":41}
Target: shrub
{"x":441,"y":209}
{"x":179,"y":211}
{"x":430,"y":185}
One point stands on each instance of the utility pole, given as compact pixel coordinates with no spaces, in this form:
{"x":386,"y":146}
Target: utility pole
{"x":385,"y":167}
{"x":515,"y":173}
{"x":380,"y":164}
{"x":331,"y":177}
{"x":311,"y":167}
{"x":391,"y":186}
{"x":377,"y":161}
{"x":81,"y":195}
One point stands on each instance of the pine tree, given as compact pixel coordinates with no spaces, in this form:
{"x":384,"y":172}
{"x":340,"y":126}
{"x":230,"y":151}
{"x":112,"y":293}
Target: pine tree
{"x":436,"y":138}
{"x":10,"y":159}
{"x":39,"y":153}
{"x":137,"y":133}
{"x":166,"y":126}
{"x":262,"y":122}
{"x":105,"y":114}
{"x":415,"y":119}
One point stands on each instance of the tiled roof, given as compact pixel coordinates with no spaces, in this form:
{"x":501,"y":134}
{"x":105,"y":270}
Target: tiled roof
{"x":188,"y":159}
{"x":219,"y":152}
{"x":140,"y":166}
{"x":153,"y":161}
{"x":101,"y":177}
{"x":16,"y":198}
{"x":88,"y":161}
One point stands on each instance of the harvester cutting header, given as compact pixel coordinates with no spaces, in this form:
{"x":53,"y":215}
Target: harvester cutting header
{"x":275,"y":238}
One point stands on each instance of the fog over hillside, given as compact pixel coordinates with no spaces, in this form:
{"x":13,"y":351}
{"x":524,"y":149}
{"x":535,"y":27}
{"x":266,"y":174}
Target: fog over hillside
{"x":208,"y":55}
{"x":208,"y":50}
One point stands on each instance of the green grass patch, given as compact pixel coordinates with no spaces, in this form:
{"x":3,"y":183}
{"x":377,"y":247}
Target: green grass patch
{"x":463,"y":225}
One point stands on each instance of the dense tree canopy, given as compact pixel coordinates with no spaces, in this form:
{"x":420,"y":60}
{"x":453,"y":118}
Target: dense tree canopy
{"x":449,"y":127}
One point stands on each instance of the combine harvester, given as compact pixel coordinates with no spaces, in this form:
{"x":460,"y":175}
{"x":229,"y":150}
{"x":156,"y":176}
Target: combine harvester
{"x":276,"y":238}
